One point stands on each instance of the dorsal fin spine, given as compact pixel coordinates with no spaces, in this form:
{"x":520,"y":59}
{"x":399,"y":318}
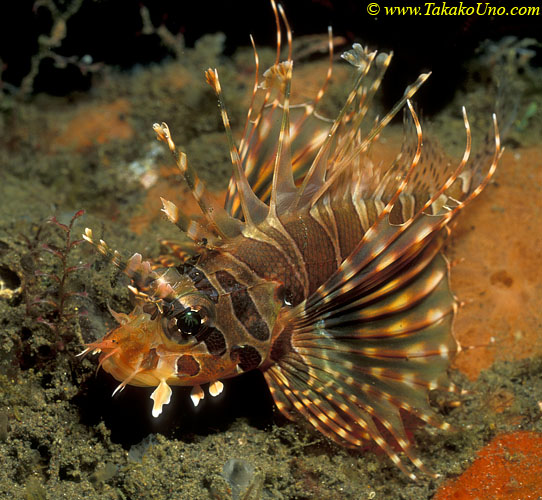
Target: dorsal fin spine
{"x":316,"y":174}
{"x":283,"y":180}
{"x":349,"y":158}
{"x":254,"y":210}
{"x":224,"y":225}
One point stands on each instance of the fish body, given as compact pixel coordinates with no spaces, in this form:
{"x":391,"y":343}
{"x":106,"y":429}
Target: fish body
{"x":323,"y":270}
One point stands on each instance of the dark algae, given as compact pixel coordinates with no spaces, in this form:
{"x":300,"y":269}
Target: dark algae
{"x":91,"y":148}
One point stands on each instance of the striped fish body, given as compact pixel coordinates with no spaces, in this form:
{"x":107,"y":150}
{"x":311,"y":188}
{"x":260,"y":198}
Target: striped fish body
{"x":258,"y":278}
{"x":323,"y":269}
{"x":348,"y":358}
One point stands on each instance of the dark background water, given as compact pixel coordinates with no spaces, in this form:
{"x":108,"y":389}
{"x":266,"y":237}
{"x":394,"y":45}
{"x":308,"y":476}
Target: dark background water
{"x":110,"y":32}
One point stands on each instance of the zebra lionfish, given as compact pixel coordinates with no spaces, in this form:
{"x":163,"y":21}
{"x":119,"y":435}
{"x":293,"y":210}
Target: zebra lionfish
{"x":323,"y":270}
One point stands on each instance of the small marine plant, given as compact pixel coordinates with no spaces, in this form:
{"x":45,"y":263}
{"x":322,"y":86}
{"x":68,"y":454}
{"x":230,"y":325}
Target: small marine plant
{"x":57,"y":304}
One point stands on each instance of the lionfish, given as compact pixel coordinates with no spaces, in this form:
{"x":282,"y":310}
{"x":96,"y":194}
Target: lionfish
{"x":323,"y":270}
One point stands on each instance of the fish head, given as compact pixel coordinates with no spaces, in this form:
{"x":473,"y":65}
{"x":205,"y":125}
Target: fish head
{"x":179,"y":334}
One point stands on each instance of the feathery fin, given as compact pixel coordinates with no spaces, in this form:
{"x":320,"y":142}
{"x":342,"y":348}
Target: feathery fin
{"x":354,"y":363}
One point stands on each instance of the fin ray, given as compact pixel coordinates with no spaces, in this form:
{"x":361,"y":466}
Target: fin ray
{"x":356,"y":363}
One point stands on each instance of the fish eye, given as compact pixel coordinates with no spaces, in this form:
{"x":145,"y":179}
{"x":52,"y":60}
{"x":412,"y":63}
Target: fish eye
{"x":189,"y":322}
{"x":185,"y":326}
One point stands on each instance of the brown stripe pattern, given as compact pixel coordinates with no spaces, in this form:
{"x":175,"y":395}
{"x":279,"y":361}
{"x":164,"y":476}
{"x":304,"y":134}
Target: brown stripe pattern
{"x":243,"y":306}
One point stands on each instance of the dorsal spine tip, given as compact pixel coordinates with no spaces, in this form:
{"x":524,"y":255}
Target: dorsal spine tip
{"x":163,"y":134}
{"x":170,"y":209}
{"x":211,"y":76}
{"x":277,"y":76}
